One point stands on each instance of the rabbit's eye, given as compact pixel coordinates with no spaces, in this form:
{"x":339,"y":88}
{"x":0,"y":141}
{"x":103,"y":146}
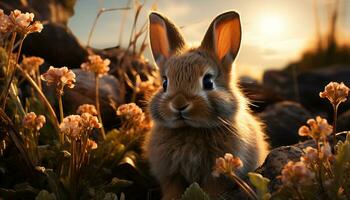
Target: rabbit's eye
{"x":165,"y":83}
{"x":208,"y":83}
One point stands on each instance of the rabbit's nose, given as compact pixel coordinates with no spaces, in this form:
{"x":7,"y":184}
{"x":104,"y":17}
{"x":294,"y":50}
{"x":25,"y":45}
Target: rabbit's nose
{"x":179,"y":103}
{"x":182,"y":108}
{"x":179,"y":108}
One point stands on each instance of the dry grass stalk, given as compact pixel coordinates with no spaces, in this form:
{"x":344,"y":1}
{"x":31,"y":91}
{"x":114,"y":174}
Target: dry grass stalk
{"x":100,"y":12}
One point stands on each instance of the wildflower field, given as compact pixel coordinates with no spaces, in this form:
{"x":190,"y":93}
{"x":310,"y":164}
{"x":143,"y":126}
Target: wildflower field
{"x":74,"y":119}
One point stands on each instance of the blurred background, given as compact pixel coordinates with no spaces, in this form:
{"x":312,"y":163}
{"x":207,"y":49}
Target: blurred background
{"x":275,"y":33}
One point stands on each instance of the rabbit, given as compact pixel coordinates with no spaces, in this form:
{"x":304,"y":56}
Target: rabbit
{"x":200,"y":113}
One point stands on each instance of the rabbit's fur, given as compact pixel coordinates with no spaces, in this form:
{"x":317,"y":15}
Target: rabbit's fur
{"x":193,"y":126}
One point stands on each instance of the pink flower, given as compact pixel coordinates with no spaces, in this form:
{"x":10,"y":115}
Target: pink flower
{"x":296,"y":173}
{"x":75,"y":125}
{"x":96,"y":65}
{"x":60,"y":77}
{"x":310,"y":155}
{"x":226,"y":164}
{"x":335,"y":92}
{"x":318,"y":129}
{"x":87,"y":108}
{"x":91,"y":144}
{"x":22,"y":22}
{"x":31,"y":64}
{"x":34,"y":122}
{"x":131,"y":111}
{"x":89,"y":121}
{"x":21,"y":19}
{"x":35,"y":27}
{"x":326,"y":151}
{"x":71,"y":126}
{"x":5,"y":23}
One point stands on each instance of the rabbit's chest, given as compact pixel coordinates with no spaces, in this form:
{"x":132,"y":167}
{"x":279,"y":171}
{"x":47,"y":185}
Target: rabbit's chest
{"x":191,"y":156}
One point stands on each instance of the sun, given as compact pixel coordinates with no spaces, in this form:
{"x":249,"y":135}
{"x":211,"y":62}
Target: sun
{"x":271,"y":26}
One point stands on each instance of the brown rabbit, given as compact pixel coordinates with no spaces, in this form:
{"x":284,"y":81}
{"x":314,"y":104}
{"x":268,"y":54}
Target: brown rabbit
{"x":200,"y":113}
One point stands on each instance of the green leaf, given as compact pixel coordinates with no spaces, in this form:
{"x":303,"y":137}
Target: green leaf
{"x":260,"y":183}
{"x":194,"y":192}
{"x":341,"y":160}
{"x":45,"y":195}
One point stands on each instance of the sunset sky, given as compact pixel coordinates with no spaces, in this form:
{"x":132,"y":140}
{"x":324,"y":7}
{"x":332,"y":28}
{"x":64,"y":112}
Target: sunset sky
{"x":274,"y":31}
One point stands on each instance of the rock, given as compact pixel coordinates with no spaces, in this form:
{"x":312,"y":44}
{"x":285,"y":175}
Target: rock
{"x":309,"y":84}
{"x":275,"y":162}
{"x":283,"y":120}
{"x":84,"y":92}
{"x":55,"y":11}
{"x":57,"y":45}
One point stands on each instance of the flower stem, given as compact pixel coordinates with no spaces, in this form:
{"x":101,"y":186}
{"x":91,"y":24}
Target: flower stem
{"x":8,"y":65}
{"x":38,"y":79}
{"x":12,"y":74}
{"x":247,"y":189}
{"x":72,"y":177}
{"x":300,"y":196}
{"x":97,"y":88}
{"x":60,"y":107}
{"x":335,"y":114}
{"x":102,"y":10}
{"x":13,"y":38}
{"x":42,"y":97}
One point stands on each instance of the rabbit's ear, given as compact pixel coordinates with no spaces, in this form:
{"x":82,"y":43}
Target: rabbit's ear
{"x":165,"y":38}
{"x":223,"y":37}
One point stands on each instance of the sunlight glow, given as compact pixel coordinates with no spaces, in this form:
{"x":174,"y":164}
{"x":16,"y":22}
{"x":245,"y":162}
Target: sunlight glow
{"x":271,"y":26}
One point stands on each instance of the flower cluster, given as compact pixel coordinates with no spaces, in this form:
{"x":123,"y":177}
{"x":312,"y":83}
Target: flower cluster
{"x":335,"y":92}
{"x":131,"y":112}
{"x":87,"y":108}
{"x":60,"y":77}
{"x":312,"y":155}
{"x":20,"y":22}
{"x":33,"y":122}
{"x":226,"y":164}
{"x":71,"y":126}
{"x":89,"y":121}
{"x":5,"y":23}
{"x":75,"y":125}
{"x":96,"y":65}
{"x":133,"y":119}
{"x":91,"y":144}
{"x":295,"y":173}
{"x":318,"y":129}
{"x":31,"y":64}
